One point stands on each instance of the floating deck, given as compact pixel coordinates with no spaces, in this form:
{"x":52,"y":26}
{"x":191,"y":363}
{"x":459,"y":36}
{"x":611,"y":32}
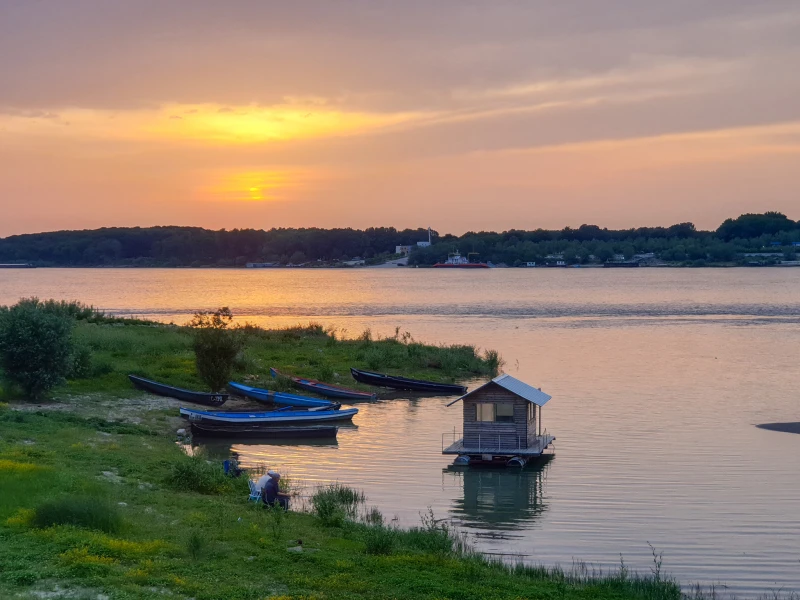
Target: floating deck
{"x":536,"y":445}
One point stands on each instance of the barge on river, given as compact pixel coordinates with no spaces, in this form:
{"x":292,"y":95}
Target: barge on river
{"x":502,"y":425}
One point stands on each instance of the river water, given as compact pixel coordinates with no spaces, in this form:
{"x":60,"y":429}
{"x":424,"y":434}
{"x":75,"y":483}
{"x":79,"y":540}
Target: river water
{"x":658,"y":377}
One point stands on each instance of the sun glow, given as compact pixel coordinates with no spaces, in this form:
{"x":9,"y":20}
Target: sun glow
{"x":205,"y":123}
{"x":251,"y":186}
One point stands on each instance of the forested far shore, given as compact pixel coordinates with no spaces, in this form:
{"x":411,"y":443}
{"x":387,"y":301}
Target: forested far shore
{"x":766,"y":238}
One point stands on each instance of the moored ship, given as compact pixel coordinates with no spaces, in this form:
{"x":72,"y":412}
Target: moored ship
{"x":456,"y":261}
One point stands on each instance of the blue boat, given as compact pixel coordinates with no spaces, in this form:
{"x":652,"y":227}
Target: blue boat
{"x":270,"y":397}
{"x":325,"y":389}
{"x":275,"y":417}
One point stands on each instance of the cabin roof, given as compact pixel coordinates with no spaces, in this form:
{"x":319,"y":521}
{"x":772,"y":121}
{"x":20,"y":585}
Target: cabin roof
{"x":515,"y":386}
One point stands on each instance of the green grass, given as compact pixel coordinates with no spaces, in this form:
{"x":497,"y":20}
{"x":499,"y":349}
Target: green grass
{"x":97,"y":498}
{"x":207,"y":542}
{"x":91,"y":512}
{"x":164,"y":352}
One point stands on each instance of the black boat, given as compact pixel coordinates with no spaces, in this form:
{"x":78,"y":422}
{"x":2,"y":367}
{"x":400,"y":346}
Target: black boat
{"x":265,"y":432}
{"x":403,"y":383}
{"x":162,"y":389}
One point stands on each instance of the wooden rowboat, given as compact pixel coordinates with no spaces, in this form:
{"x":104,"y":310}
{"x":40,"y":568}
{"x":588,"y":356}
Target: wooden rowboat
{"x":325,"y":389}
{"x":270,"y":397}
{"x":200,"y":429}
{"x":163,"y":389}
{"x":275,"y":417}
{"x":404,"y":383}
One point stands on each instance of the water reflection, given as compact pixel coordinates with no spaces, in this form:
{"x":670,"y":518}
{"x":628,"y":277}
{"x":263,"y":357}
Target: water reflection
{"x":499,"y":499}
{"x":244,"y":449}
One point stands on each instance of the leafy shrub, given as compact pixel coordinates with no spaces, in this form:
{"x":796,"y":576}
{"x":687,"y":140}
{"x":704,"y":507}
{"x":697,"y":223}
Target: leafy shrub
{"x":36,"y":348}
{"x":215,"y":347}
{"x":380,"y":540}
{"x":433,"y":537}
{"x":375,"y":357}
{"x":335,"y":503}
{"x":494,"y":362}
{"x":81,"y":363}
{"x":89,"y":512}
{"x":276,"y":516}
{"x":325,"y":372}
{"x":195,"y":474}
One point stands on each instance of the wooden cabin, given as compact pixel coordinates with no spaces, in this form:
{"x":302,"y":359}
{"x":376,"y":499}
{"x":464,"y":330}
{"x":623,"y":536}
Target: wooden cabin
{"x":502,"y":424}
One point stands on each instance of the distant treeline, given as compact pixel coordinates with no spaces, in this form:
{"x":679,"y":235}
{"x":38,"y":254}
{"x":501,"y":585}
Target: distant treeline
{"x":681,"y":243}
{"x":196,"y":247}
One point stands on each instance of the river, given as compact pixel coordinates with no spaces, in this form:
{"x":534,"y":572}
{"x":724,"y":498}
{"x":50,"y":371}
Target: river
{"x":658,"y":377}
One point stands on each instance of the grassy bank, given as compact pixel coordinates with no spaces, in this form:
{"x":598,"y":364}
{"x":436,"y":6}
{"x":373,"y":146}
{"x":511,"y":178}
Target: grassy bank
{"x":98,"y":501}
{"x":112,"y":508}
{"x":164,"y":352}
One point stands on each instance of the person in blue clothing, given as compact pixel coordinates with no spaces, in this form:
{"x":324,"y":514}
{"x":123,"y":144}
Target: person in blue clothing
{"x":270,"y":492}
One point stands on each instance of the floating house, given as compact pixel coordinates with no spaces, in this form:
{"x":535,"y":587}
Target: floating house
{"x":502,"y":424}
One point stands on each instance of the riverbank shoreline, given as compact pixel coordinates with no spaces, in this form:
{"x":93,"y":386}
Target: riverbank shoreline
{"x":182,"y":540}
{"x":100,"y":498}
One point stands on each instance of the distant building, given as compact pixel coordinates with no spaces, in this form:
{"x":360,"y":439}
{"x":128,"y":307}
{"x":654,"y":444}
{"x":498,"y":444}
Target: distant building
{"x":425,"y":244}
{"x":261,"y":265}
{"x":530,"y":264}
{"x":402,"y":249}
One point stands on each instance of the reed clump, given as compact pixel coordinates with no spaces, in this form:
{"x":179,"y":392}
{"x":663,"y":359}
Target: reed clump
{"x":89,"y":512}
{"x":196,"y":474}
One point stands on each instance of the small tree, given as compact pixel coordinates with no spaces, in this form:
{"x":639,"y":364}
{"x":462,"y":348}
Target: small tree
{"x":36,"y":349}
{"x":215,"y":347}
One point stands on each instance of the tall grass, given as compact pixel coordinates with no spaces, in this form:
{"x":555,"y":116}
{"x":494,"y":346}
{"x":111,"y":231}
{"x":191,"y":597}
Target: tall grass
{"x":334,"y":504}
{"x":88,"y":512}
{"x":195,"y":474}
{"x":451,"y":360}
{"x":620,"y":583}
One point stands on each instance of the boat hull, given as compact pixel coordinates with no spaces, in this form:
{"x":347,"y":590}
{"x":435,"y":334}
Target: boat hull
{"x":169,"y":391}
{"x":277,"y":417}
{"x":325,"y":389}
{"x":403,"y":383}
{"x":279,"y":398}
{"x":263,"y":432}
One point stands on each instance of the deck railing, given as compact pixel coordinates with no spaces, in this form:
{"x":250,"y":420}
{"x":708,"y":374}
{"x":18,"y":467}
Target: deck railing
{"x":486,"y":443}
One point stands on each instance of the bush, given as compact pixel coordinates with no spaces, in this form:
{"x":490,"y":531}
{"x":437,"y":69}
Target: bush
{"x":433,"y":537}
{"x":81,"y":363}
{"x":88,"y":512}
{"x":195,"y":474}
{"x":335,"y":503}
{"x":215,"y":347}
{"x":380,"y":540}
{"x":36,"y":348}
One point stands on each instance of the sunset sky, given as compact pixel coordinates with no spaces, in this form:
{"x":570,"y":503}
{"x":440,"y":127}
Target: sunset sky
{"x":458,"y":114}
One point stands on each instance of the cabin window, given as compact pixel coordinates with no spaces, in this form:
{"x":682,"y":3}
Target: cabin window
{"x":531,"y":412}
{"x":504,"y":413}
{"x":491,"y":412}
{"x":485,"y":411}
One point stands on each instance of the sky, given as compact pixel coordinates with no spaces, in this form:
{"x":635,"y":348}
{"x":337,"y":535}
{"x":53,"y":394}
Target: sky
{"x":456,"y":114}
